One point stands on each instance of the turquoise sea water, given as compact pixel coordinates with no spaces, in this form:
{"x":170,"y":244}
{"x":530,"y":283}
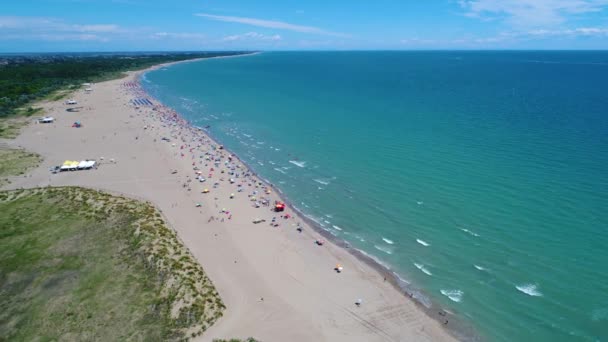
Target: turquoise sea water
{"x":481,"y":177}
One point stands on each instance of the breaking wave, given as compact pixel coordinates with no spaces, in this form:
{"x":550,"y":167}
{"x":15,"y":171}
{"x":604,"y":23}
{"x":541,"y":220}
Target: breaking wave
{"x":454,"y":295}
{"x":530,"y":290}
{"x":298,"y":163}
{"x":423,"y":269}
{"x":422,"y":242}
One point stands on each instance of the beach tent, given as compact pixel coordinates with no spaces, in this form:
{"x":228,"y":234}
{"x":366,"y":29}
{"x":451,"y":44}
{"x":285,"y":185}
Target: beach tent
{"x":69,"y":165}
{"x":46,"y":119}
{"x":65,"y":166}
{"x":279,"y":206}
{"x":86,"y":164}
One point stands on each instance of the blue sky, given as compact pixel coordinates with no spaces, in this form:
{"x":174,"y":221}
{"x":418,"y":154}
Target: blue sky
{"x":135,"y":25}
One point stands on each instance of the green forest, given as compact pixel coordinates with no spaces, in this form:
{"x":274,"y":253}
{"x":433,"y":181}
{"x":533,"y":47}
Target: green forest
{"x":26,"y":79}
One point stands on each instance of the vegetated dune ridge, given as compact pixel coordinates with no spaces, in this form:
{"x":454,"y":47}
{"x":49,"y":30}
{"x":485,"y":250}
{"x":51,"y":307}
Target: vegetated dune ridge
{"x":97,"y":266}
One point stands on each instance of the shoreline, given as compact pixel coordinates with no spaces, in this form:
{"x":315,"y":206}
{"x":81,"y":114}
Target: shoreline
{"x":457,"y":328}
{"x":283,"y":286}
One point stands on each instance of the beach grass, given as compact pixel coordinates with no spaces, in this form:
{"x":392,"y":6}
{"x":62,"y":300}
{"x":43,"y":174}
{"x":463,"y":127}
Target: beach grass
{"x":10,"y":125}
{"x":15,"y":162}
{"x":79,"y":264}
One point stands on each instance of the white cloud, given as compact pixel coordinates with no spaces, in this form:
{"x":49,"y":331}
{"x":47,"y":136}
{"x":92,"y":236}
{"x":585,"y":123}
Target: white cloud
{"x":179,"y":35}
{"x":531,"y":12}
{"x":417,"y":41}
{"x":52,"y":29}
{"x":577,"y":32}
{"x":97,"y":28}
{"x":270,"y":24}
{"x":252,"y":36}
{"x":515,"y":37}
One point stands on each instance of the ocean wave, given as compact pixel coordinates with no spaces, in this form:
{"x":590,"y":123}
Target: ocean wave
{"x":298,"y":163}
{"x":454,"y":295}
{"x":320,"y":181}
{"x":469,"y":232}
{"x":360,"y":238}
{"x":599,"y":315}
{"x":280,"y":170}
{"x":419,"y":202}
{"x":423,"y":269}
{"x":384,"y":249}
{"x":530,"y":290}
{"x":378,"y":261}
{"x":480,"y":267}
{"x":422,"y":242}
{"x":390,"y":242}
{"x":336,"y":227}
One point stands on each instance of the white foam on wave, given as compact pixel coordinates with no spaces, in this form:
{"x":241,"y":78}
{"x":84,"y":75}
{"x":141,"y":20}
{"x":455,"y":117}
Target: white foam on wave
{"x":422,"y":242}
{"x":336,"y":227}
{"x":530,"y":290}
{"x":280,"y":170}
{"x":454,"y":295}
{"x":469,"y":232}
{"x":423,"y":269}
{"x":419,"y":202}
{"x":480,"y":267}
{"x":320,"y":181}
{"x":298,"y":163}
{"x":390,"y":242}
{"x":373,"y":258}
{"x":384,"y":249}
{"x":599,"y":315}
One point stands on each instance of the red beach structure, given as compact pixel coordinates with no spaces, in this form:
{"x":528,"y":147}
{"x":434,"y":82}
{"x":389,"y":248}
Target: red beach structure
{"x":279,"y":206}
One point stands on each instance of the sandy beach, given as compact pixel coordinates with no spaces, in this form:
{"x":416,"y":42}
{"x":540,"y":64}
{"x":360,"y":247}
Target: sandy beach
{"x":277,"y":283}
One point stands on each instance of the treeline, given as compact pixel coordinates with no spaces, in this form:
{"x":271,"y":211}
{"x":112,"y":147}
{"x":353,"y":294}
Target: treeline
{"x":25,"y":79}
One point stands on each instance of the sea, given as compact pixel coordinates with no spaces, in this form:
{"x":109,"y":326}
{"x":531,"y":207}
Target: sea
{"x":479,"y":177}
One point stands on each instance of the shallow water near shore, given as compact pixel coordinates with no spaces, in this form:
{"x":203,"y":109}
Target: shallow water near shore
{"x":481,"y":177}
